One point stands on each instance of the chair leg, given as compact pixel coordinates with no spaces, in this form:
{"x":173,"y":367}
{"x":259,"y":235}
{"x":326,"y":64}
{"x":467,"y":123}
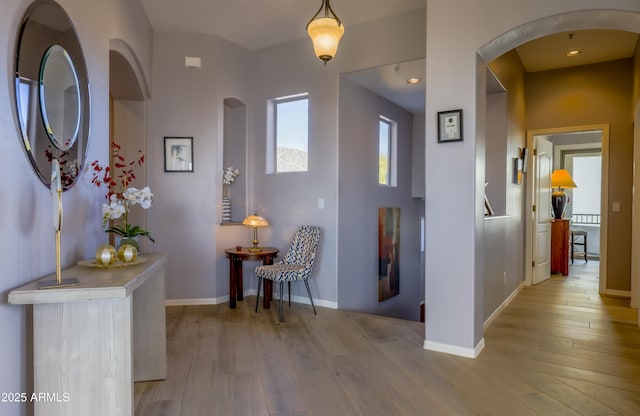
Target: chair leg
{"x":289,"y":291}
{"x":258,"y":294}
{"x":572,"y":246}
{"x":585,"y":249}
{"x":281,"y":299}
{"x":310,"y":298}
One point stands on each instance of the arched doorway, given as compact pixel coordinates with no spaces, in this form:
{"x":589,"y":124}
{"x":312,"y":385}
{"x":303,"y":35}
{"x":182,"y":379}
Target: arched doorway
{"x":612,"y":20}
{"x":128,"y":94}
{"x":456,"y":78}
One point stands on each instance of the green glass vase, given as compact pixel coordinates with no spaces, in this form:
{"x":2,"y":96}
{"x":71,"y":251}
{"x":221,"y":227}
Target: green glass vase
{"x":133,"y":241}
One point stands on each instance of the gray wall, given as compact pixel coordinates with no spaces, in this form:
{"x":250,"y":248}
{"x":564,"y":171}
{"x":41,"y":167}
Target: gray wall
{"x":235,"y":154}
{"x":496,"y":151}
{"x":360,"y":197}
{"x":291,"y":199}
{"x":417,"y":161}
{"x":185,"y":103}
{"x":504,"y":236}
{"x":27,"y":243}
{"x":189,"y":102}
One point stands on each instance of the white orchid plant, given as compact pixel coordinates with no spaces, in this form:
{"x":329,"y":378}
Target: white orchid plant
{"x":120,"y":196}
{"x":230,"y":175}
{"x":119,"y":207}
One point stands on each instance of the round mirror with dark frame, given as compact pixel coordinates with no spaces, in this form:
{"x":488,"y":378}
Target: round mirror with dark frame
{"x":52,"y":92}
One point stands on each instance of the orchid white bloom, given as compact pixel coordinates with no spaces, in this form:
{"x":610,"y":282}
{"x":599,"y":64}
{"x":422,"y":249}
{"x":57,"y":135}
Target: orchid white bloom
{"x":146,"y":197}
{"x":230,"y":175}
{"x":112,"y":211}
{"x":130,"y":195}
{"x":143,"y":196}
{"x":121,"y":198}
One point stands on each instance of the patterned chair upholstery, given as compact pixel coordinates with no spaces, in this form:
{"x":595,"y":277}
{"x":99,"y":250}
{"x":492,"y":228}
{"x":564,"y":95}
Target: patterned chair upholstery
{"x":296,"y":265}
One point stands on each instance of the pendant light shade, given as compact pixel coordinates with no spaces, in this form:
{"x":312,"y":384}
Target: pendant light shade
{"x":325,"y":31}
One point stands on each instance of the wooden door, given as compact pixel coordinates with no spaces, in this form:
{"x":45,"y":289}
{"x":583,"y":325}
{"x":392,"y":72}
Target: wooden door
{"x":543,"y":164}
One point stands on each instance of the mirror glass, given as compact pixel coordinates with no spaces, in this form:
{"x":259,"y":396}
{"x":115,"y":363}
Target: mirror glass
{"x":52,"y":92}
{"x":59,"y":97}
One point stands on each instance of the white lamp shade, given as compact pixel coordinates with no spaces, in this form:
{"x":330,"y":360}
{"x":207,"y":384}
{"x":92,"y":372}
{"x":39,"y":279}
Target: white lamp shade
{"x":325,"y":33}
{"x":255,"y":220}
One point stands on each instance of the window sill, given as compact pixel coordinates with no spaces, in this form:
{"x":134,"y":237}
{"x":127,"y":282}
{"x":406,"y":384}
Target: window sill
{"x":224,"y":224}
{"x":496,"y":217}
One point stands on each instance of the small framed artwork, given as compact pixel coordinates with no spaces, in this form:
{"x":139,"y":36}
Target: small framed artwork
{"x":487,"y":207}
{"x":488,"y":210}
{"x":517,"y":171}
{"x":449,"y":126}
{"x":178,"y":154}
{"x":524,"y":155}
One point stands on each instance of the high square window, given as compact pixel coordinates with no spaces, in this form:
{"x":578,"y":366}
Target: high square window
{"x":387,"y":151}
{"x":288,"y":139}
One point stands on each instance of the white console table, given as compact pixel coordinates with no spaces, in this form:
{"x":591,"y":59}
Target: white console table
{"x":92,"y":341}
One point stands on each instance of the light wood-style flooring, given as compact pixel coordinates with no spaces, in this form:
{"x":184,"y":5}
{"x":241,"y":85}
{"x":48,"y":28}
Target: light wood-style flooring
{"x":558,"y":349}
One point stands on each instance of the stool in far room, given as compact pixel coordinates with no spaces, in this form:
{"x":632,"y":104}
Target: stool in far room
{"x":578,"y":238}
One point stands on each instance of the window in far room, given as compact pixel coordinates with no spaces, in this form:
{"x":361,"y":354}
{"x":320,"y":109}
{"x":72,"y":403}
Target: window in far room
{"x":387,"y":133}
{"x":585,"y":167}
{"x":288,"y":140}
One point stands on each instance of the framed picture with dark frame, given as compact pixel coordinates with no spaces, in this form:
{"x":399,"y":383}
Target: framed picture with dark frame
{"x":524,"y":154}
{"x":450,"y":126}
{"x":178,"y":154}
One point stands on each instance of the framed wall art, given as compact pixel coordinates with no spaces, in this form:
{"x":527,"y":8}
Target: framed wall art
{"x":388,"y":253}
{"x":488,"y":210}
{"x":178,"y":154}
{"x":450,"y":126}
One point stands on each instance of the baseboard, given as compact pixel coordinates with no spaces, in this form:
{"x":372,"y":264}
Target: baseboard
{"x":618,"y":293}
{"x":453,"y":349}
{"x":251,"y":292}
{"x":502,"y":307}
{"x":196,"y":301}
{"x":305,"y":300}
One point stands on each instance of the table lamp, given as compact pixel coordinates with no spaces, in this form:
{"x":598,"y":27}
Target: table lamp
{"x":254,"y":220}
{"x":562,"y":179}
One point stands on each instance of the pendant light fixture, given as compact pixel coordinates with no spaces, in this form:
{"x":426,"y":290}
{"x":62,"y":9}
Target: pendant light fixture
{"x":325,"y":31}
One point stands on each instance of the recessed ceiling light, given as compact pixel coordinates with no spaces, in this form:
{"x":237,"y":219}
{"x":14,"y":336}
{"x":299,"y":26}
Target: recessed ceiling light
{"x":574,"y":52}
{"x":414,"y":80}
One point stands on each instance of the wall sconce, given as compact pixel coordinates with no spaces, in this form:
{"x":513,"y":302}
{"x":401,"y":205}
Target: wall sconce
{"x":325,"y":31}
{"x":562,"y":179}
{"x":254,"y":220}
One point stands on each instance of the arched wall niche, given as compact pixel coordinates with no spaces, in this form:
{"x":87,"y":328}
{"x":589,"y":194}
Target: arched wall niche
{"x":128,"y":95}
{"x":123,"y":83}
{"x":123,"y":62}
{"x":235,"y":155}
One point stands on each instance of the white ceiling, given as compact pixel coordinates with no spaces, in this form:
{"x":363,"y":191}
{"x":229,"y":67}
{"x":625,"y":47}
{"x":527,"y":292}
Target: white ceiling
{"x":258,"y":24}
{"x":597,"y":46}
{"x":390,"y":81}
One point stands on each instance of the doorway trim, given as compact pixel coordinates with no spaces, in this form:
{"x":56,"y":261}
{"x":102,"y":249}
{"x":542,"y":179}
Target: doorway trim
{"x":604,"y":198}
{"x":635,"y":215}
